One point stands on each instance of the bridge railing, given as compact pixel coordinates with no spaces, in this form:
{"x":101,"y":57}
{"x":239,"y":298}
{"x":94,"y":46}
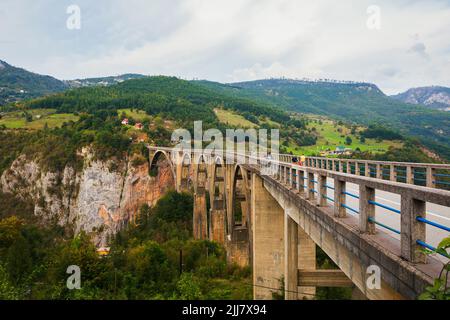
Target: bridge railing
{"x":422,"y":174}
{"x":413,"y":199}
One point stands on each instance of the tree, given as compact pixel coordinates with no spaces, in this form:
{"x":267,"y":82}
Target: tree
{"x":440,"y":289}
{"x":348,"y":140}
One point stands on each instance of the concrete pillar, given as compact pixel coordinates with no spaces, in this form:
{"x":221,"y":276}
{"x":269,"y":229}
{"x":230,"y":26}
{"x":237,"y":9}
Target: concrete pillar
{"x":393,"y":173}
{"x":341,"y":166}
{"x":217,"y":225}
{"x":409,"y":175}
{"x":357,"y":171}
{"x":430,"y":177}
{"x":290,"y":258}
{"x":412,"y":230}
{"x":268,"y":243}
{"x":200,"y":219}
{"x":379,"y":173}
{"x":321,"y":190}
{"x":310,"y":184}
{"x":178,"y":173}
{"x":367,"y":169}
{"x":339,"y":198}
{"x":366,"y":209}
{"x":300,"y":180}
{"x":306,"y":261}
{"x":349,"y":167}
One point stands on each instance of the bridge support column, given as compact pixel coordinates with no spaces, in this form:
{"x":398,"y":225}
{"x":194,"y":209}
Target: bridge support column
{"x":290,"y":258}
{"x":217,"y":226}
{"x":268,"y":244}
{"x":200,"y":219}
{"x":306,"y":261}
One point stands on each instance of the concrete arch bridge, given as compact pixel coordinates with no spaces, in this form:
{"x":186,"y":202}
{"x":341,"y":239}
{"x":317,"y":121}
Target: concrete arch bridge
{"x":372,"y":218}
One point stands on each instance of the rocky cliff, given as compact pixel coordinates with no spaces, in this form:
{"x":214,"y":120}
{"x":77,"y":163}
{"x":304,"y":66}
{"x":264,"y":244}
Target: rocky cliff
{"x":99,"y":199}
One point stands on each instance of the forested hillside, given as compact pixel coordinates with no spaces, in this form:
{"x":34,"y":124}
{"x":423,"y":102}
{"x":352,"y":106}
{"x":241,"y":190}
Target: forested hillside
{"x":17,"y":84}
{"x":360,"y":103}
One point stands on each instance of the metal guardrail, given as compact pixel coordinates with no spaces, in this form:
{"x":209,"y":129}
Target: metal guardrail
{"x":412,"y":212}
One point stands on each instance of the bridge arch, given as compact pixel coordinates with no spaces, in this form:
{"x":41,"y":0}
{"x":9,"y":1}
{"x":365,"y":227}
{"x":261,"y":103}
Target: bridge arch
{"x":156,"y":161}
{"x":184,"y":171}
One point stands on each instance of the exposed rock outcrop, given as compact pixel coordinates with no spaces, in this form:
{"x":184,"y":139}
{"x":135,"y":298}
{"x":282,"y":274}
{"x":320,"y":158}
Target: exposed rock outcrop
{"x":97,"y":199}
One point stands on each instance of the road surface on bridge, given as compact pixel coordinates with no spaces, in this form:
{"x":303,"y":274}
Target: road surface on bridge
{"x":435,"y":213}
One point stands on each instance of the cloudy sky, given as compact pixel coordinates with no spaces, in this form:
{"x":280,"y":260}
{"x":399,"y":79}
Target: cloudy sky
{"x":233,"y":40}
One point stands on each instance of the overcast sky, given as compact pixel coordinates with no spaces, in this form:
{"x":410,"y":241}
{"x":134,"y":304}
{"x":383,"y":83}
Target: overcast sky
{"x":233,"y":40}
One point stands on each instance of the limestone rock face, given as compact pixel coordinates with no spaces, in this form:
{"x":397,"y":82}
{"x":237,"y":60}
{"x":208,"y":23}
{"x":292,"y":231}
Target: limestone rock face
{"x":98,"y":200}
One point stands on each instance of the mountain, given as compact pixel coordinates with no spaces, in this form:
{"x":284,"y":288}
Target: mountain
{"x":103,"y":81}
{"x":356,"y":102}
{"x":17,"y":84}
{"x":435,"y":97}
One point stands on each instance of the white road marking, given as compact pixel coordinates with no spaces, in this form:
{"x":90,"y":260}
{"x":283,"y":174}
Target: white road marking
{"x":397,"y":204}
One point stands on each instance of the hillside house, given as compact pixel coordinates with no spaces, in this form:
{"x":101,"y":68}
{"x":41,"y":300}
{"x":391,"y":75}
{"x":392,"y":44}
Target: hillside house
{"x":125,"y":121}
{"x":139,"y":126}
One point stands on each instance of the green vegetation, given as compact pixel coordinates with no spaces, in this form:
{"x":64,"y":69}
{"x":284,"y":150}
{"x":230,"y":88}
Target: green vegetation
{"x":137,"y":115}
{"x":232,"y":119}
{"x":360,"y":103}
{"x":36,"y":119}
{"x":168,"y":97}
{"x":18,"y":84}
{"x":440,"y":289}
{"x":143,"y":262}
{"x":332,"y":134}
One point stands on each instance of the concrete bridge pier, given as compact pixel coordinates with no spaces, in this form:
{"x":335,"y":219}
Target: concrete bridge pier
{"x":200,"y":216}
{"x":268,"y":242}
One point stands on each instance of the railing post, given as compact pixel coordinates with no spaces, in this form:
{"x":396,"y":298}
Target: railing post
{"x":341,"y":166}
{"x":430,"y":177}
{"x":393,"y":173}
{"x":349,"y":167}
{"x":357,"y":171}
{"x":366,"y":209}
{"x":412,"y":230}
{"x":339,"y":198}
{"x":310,"y":185}
{"x":367,"y":169}
{"x":379,"y":173}
{"x":300,"y":187}
{"x":321,"y":190}
{"x":409,"y":175}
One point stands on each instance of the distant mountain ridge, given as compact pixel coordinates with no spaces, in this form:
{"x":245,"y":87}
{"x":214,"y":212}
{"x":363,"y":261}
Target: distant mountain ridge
{"x":17,"y":84}
{"x":361,"y":103}
{"x":103,"y":81}
{"x":434,"y":96}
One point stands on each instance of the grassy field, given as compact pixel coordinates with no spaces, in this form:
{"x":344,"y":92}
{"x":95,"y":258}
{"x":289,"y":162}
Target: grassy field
{"x":40,"y":117}
{"x":332,"y":135}
{"x":233,"y":119}
{"x":137,"y":115}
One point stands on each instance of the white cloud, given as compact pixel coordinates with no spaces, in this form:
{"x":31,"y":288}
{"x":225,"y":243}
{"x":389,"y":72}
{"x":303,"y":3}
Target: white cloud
{"x":234,"y":40}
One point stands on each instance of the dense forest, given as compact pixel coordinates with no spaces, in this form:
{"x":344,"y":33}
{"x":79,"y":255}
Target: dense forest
{"x":144,"y":261}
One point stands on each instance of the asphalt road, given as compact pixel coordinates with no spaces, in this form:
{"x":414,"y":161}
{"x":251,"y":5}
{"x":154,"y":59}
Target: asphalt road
{"x":435,"y":213}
